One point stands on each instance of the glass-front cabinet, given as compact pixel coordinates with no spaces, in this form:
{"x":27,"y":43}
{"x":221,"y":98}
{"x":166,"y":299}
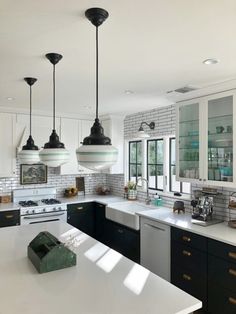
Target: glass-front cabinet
{"x":188,"y":145}
{"x":206,"y":139}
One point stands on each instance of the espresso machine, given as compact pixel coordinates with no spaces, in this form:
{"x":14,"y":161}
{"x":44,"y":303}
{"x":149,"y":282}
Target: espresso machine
{"x":202,"y":213}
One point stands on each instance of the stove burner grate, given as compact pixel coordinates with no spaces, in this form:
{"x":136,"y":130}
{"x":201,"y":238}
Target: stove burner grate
{"x":28,"y":203}
{"x":50,"y":201}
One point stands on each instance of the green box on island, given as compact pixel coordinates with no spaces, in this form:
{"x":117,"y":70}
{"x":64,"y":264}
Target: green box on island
{"x":47,"y":253}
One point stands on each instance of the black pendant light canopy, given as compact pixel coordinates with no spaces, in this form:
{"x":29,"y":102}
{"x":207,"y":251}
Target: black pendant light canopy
{"x":30,"y":142}
{"x":96,"y":16}
{"x":54,"y":141}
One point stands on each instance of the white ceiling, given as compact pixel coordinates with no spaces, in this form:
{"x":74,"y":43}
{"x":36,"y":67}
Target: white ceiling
{"x":148,"y":47}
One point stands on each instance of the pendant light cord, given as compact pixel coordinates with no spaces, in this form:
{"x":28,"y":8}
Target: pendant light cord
{"x":30,"y":109}
{"x":96,"y":72}
{"x":54,"y":97}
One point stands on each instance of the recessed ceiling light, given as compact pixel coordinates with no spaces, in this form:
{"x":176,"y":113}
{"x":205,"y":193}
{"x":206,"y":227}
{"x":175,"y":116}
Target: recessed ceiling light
{"x":128,"y":92}
{"x":210,"y":61}
{"x":10,"y":98}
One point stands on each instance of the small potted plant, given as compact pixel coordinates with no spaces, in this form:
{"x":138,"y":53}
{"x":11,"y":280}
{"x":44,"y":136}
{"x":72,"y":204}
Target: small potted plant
{"x":132,"y":191}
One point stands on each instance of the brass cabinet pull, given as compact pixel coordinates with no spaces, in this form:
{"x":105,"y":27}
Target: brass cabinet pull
{"x":232,"y":300}
{"x":232,"y":255}
{"x":79,"y":208}
{"x":187,"y":277}
{"x":186,"y":253}
{"x":9,"y":216}
{"x":232,"y":272}
{"x":186,"y":239}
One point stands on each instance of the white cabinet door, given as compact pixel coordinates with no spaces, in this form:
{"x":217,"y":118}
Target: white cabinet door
{"x":206,"y":140}
{"x":69,"y":136}
{"x":221,"y":145}
{"x":84,"y":131}
{"x":114,"y":128}
{"x":8,"y":145}
{"x":189,"y":165}
{"x":41,"y":129}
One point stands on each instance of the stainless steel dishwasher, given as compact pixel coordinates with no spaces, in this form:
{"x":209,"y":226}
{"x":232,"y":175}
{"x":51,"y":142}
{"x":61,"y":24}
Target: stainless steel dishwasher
{"x":155,"y":247}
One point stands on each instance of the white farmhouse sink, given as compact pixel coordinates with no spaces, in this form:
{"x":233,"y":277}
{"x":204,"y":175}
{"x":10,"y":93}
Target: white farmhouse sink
{"x":125,"y":213}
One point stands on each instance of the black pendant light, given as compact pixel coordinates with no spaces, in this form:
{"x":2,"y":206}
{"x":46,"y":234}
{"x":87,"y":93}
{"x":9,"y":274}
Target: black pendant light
{"x":29,"y":153}
{"x":97,"y":152}
{"x":54,"y":153}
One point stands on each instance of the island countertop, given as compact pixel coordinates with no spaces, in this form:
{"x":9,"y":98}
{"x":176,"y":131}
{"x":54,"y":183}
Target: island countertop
{"x":102,"y":282}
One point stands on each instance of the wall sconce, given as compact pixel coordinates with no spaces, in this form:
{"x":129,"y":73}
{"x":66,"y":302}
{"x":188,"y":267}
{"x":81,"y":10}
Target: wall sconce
{"x":141,"y":132}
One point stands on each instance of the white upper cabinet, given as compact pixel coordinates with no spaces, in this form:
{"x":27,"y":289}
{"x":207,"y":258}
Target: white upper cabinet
{"x":114,"y":128}
{"x":73,"y":132}
{"x":84,"y":131}
{"x":69,"y":136}
{"x":8,"y":145}
{"x":206,"y":140}
{"x":41,"y":129}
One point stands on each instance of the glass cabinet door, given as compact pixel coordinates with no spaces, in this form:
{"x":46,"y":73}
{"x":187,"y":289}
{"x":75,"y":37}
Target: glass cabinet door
{"x":189,"y":141}
{"x":220,"y":139}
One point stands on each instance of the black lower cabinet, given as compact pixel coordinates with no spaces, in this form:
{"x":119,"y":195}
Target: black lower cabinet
{"x":220,"y":300}
{"x":123,"y":239}
{"x":9,"y":218}
{"x":100,"y":222}
{"x":82,"y":216}
{"x":91,"y":219}
{"x":189,"y":263}
{"x":221,"y":278}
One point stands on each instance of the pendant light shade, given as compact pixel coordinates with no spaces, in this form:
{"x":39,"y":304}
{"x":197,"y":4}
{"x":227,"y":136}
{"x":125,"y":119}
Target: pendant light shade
{"x":30,"y":152}
{"x":54,"y":153}
{"x":97,"y":153}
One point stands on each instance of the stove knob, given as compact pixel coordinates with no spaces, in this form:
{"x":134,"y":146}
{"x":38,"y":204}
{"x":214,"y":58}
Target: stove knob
{"x":54,"y":209}
{"x":33,"y":211}
{"x":27,"y":212}
{"x":44,"y":209}
{"x":59,"y":208}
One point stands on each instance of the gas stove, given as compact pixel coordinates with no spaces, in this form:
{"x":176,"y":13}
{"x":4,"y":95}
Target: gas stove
{"x":39,"y":205}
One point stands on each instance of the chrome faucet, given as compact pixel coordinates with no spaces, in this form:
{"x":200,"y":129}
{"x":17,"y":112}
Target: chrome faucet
{"x":148,"y":199}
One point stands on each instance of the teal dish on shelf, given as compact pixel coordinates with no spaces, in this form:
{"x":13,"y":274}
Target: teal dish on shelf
{"x":193,"y":133}
{"x":226,"y":171}
{"x":194,"y":144}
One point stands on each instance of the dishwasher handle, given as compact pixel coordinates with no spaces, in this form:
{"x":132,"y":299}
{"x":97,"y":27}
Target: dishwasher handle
{"x":154,"y":227}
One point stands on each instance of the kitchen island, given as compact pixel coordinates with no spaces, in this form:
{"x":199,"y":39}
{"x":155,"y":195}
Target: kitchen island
{"x":103,"y":281}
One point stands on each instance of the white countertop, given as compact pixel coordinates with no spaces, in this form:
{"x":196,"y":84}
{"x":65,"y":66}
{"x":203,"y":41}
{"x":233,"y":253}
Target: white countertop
{"x":104,"y":199}
{"x":220,"y":231}
{"x":102,"y":282}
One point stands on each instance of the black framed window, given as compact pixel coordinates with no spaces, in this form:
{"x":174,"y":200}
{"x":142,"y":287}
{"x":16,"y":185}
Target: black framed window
{"x":155,"y":164}
{"x":135,"y":160}
{"x":176,"y":186}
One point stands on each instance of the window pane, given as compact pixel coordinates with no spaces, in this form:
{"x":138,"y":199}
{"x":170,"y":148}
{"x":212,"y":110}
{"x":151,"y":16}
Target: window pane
{"x":151,"y":152}
{"x":132,"y":175}
{"x":152,"y":176}
{"x":175,"y":185}
{"x":186,"y":187}
{"x":132,"y":152}
{"x":160,"y":151}
{"x":139,"y":152}
{"x":139,"y":174}
{"x":172,"y":151}
{"x":160,"y":177}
